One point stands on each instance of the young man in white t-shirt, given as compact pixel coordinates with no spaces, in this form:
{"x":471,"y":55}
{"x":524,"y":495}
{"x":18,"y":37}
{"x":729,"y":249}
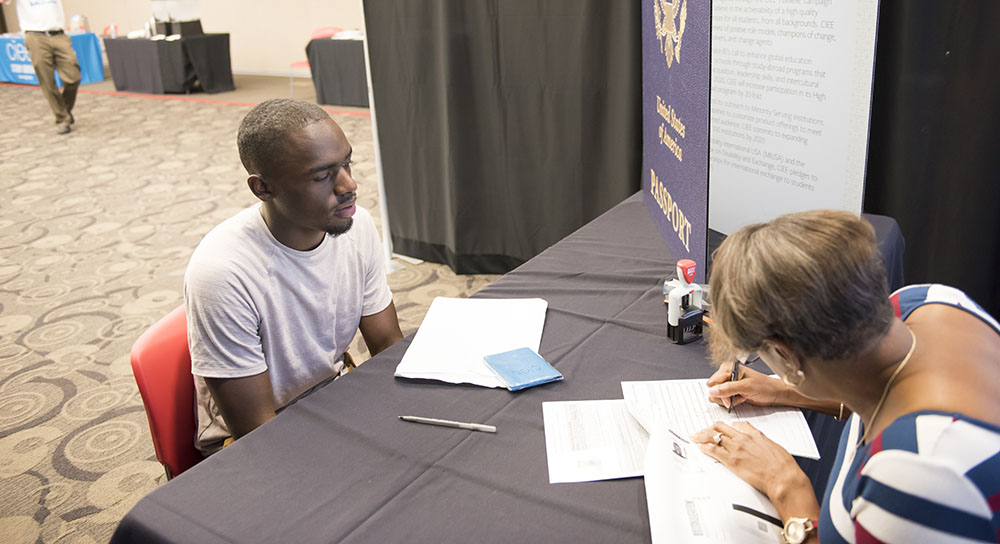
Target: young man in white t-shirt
{"x":276,"y":293}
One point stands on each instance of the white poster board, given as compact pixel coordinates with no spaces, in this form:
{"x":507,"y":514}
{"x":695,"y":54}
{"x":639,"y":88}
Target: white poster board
{"x":790,"y":104}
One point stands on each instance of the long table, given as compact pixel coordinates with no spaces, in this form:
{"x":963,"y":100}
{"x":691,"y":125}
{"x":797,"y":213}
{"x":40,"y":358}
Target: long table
{"x":178,"y":66}
{"x":338,"y":466}
{"x":15,"y":63}
{"x":338,"y":71}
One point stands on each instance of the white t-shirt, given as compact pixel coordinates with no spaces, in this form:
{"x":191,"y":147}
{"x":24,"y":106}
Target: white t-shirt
{"x":40,"y":15}
{"x":254,"y":304}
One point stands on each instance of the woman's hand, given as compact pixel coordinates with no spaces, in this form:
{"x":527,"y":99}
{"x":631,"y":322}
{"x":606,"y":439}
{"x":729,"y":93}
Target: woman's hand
{"x":760,"y":462}
{"x":751,"y":386}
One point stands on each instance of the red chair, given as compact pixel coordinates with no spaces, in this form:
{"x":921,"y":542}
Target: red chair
{"x":317,"y":34}
{"x":161,"y":364}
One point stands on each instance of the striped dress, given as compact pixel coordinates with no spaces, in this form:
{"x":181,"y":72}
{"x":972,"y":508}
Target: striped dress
{"x":929,"y":477}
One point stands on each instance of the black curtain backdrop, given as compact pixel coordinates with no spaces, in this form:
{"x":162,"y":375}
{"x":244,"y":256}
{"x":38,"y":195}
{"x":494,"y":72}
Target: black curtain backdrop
{"x":934,"y":148}
{"x":504,"y":125}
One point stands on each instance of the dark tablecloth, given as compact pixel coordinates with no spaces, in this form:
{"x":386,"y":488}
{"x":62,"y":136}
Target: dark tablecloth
{"x":180,"y":66}
{"x":339,"y":467}
{"x":338,"y":71}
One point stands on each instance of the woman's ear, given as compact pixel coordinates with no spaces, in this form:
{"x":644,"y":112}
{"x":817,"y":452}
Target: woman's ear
{"x":780,"y":352}
{"x":775,"y":349}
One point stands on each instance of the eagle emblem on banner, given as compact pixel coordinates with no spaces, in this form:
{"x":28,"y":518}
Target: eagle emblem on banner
{"x":670,"y":19}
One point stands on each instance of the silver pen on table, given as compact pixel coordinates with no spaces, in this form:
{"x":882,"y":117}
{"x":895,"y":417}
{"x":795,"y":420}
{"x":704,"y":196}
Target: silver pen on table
{"x":450,"y":423}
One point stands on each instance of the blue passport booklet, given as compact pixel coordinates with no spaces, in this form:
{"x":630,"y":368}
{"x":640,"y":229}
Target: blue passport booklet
{"x":521,"y":368}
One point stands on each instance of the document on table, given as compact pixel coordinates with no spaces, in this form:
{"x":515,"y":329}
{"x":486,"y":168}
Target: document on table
{"x":693,"y":499}
{"x":592,"y":440}
{"x":683,"y":405}
{"x":457,"y":333}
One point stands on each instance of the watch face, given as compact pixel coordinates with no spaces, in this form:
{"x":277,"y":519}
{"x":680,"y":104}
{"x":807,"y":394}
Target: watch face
{"x":795,"y":530}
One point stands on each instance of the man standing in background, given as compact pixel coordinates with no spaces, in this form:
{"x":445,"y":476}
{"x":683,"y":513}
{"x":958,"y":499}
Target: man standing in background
{"x":42,"y":22}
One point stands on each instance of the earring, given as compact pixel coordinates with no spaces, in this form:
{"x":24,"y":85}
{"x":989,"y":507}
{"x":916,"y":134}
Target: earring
{"x":799,"y":378}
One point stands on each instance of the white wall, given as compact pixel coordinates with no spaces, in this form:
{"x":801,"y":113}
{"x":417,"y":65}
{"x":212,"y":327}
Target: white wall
{"x":265,"y":36}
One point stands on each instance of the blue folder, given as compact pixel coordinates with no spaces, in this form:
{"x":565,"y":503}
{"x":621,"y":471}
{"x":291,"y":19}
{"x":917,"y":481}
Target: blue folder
{"x":521,"y":368}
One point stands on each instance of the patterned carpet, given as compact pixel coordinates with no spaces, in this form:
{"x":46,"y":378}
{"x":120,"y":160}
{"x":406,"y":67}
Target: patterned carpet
{"x":96,"y":229}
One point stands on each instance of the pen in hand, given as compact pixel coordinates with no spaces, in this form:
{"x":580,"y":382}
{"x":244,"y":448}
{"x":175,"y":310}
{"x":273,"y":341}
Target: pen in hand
{"x":733,"y":377}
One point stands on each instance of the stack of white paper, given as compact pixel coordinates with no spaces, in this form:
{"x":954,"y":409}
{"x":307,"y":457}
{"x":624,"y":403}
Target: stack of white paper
{"x":682,"y":405}
{"x":457,"y":333}
{"x":694,"y":500}
{"x":606,"y":439}
{"x":590,"y":440}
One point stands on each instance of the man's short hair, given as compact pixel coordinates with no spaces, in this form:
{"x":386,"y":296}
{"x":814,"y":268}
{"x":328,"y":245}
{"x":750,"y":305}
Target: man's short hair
{"x":815,"y":280}
{"x":262,"y":132}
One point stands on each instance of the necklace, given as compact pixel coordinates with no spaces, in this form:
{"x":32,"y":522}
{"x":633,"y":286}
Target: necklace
{"x":888,"y":385}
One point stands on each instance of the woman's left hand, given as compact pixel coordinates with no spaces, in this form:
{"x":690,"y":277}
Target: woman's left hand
{"x":756,"y":459}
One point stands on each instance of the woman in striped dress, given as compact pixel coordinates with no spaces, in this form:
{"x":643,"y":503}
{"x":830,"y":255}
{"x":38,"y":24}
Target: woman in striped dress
{"x":918,"y":372}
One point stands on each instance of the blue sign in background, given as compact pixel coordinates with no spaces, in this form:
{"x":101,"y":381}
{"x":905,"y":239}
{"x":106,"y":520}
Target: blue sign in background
{"x":676,"y":51}
{"x":15,"y":64}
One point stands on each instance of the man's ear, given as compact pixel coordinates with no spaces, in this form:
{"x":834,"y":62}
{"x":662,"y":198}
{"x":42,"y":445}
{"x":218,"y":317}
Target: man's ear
{"x":259,"y":187}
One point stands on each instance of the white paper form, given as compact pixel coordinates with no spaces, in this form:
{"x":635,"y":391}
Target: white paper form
{"x":683,"y":405}
{"x":592,"y":440}
{"x":457,"y":333}
{"x":692,"y":499}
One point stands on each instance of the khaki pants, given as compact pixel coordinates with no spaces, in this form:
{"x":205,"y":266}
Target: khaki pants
{"x":48,"y":55}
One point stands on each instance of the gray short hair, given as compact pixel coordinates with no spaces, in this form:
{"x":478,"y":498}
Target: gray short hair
{"x":815,"y":280}
{"x":262,"y":132}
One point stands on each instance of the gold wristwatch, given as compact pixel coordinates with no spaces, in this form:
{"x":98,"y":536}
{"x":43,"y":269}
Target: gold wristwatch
{"x":796,"y":530}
